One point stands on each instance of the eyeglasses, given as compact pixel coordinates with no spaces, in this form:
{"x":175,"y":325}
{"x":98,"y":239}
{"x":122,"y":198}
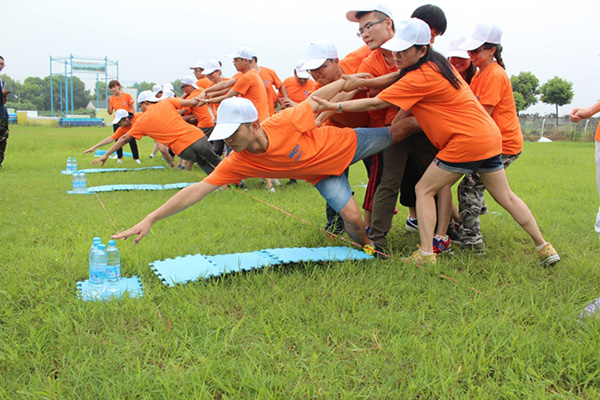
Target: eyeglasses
{"x":478,"y":50}
{"x":325,"y":64}
{"x":368,"y":27}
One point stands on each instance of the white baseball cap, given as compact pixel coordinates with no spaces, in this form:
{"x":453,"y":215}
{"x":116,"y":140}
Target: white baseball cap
{"x":408,"y":33}
{"x":212,"y":66}
{"x":199,"y":64}
{"x":157,"y":89}
{"x":242,"y":52}
{"x":147,"y":95}
{"x":189,"y":80}
{"x":454,"y":49}
{"x":119,"y":115}
{"x":483,"y":33}
{"x":374,"y":6}
{"x":301,"y":73}
{"x":233,"y":112}
{"x":168,"y":86}
{"x":167,"y":94}
{"x":317,"y":53}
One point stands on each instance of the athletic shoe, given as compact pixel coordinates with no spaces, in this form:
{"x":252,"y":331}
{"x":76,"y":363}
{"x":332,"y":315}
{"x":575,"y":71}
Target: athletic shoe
{"x":138,"y":161}
{"x":412,"y":224}
{"x":478,"y":248}
{"x":441,"y":244}
{"x":419,"y":258}
{"x":369,"y":249}
{"x":120,"y":161}
{"x":113,"y":156}
{"x":151,"y":155}
{"x":270,"y":189}
{"x":548,"y":256}
{"x":275,"y":182}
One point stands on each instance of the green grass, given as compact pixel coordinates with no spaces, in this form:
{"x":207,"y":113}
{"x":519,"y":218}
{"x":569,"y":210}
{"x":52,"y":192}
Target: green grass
{"x":350,"y":330}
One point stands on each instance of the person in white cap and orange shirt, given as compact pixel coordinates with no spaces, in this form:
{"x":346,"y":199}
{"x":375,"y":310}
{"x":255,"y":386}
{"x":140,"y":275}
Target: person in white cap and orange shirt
{"x":203,"y":119}
{"x":457,"y":124}
{"x":157,"y":90}
{"x":576,"y":115}
{"x":287,"y":144}
{"x":162,"y":122}
{"x":271,"y":81}
{"x":493,"y":89}
{"x":298,"y":86}
{"x":202,"y":80}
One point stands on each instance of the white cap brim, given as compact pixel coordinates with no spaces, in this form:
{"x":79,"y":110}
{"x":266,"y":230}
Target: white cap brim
{"x":224,"y":130}
{"x":396,"y":44}
{"x":458,"y":53}
{"x":470,"y":44}
{"x":302,"y":74}
{"x":116,"y":121}
{"x":313,"y":64}
{"x":210,"y":71}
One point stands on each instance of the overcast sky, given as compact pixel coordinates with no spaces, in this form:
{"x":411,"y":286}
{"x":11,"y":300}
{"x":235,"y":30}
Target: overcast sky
{"x":157,"y":40}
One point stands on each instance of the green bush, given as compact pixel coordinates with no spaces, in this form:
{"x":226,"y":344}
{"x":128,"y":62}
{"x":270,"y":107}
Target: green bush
{"x":24,"y":105}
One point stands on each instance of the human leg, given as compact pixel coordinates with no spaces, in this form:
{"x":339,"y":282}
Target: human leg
{"x":432,"y":181}
{"x":470,"y":201}
{"x":597,"y":226}
{"x":202,"y":154}
{"x":134,"y":150}
{"x":3,"y":138}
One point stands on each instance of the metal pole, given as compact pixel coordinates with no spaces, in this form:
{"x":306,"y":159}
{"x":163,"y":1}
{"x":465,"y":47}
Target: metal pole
{"x":72,"y":102}
{"x":60,"y":86}
{"x":66,"y":90}
{"x":105,"y":83}
{"x":51,"y":89}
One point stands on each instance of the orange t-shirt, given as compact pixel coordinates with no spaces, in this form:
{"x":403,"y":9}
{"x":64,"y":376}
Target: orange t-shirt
{"x":201,"y":113}
{"x":203,"y":83}
{"x":597,"y":137}
{"x":298,"y":93}
{"x":493,"y":88}
{"x":124,"y":129}
{"x":376,"y":65}
{"x":452,"y":119}
{"x":352,"y":61}
{"x":123,"y":102}
{"x":251,"y":87}
{"x":297,"y":149}
{"x":270,"y":79}
{"x":164,"y":124}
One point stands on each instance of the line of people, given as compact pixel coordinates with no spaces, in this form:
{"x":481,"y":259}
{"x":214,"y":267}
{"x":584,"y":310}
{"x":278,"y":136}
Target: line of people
{"x":396,"y":103}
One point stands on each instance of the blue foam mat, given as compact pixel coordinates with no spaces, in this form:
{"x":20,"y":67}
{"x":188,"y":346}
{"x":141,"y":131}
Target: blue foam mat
{"x":125,"y":187}
{"x":100,"y":153}
{"x":101,"y":170}
{"x":190,"y":268}
{"x":131,"y":286}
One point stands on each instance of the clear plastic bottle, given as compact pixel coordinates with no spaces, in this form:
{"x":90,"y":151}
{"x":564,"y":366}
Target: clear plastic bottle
{"x":74,"y":165}
{"x":82,"y":182}
{"x":75,"y":182}
{"x":95,"y":242}
{"x":98,"y":270}
{"x":69,"y":165}
{"x":113,"y":267}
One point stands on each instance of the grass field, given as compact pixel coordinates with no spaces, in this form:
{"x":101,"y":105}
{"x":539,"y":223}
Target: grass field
{"x":349,"y":330}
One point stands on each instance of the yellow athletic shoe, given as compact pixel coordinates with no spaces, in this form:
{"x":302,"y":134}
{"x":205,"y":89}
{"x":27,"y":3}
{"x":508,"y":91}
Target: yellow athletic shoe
{"x":418,"y":258}
{"x":369,"y":249}
{"x":548,"y":256}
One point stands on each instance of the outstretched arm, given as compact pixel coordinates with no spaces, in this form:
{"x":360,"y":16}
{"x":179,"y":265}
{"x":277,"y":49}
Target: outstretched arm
{"x":583,"y":113}
{"x":120,"y":143}
{"x":101,"y":143}
{"x":357,"y":105}
{"x":179,"y":202}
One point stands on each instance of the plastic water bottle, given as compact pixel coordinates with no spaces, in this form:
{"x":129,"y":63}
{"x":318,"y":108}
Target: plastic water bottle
{"x":98,"y":270}
{"x":82,"y":182}
{"x":95,"y":242}
{"x":113,"y":267}
{"x":75,"y":182}
{"x":69,"y":165}
{"x":74,"y":165}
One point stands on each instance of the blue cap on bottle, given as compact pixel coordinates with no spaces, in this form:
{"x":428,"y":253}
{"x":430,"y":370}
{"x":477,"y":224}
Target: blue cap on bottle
{"x":112,"y":242}
{"x":102,"y":246}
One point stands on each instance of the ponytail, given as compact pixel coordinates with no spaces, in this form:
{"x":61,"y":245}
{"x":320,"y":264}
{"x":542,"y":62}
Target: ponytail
{"x":497,"y":53}
{"x":441,"y":65}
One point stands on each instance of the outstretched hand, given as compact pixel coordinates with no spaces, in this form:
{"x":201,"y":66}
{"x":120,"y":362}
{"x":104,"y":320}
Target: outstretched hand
{"x":90,"y":150}
{"x":100,"y":160}
{"x":141,"y":230}
{"x":323,"y":105}
{"x":355,"y":81}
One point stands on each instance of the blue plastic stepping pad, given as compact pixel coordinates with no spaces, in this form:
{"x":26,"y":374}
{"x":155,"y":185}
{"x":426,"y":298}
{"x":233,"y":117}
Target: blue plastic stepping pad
{"x":127,"y":187}
{"x":101,"y":170}
{"x":131,"y":286}
{"x":100,"y":153}
{"x":194,"y":267}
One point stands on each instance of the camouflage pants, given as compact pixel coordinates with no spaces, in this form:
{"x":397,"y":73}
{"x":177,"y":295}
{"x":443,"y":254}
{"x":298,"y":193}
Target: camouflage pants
{"x":470,"y":201}
{"x":3,"y":138}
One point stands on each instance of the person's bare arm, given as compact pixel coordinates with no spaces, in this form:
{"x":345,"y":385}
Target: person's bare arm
{"x":360,"y":81}
{"x":577,"y":114}
{"x":120,"y":143}
{"x":179,"y":202}
{"x":101,"y":143}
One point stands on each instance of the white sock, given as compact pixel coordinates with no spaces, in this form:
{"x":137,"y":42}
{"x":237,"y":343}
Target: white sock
{"x":425,"y":254}
{"x":538,"y":248}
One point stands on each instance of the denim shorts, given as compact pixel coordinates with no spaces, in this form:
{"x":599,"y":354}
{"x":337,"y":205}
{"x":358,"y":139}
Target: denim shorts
{"x":491,"y":164}
{"x":336,"y":189}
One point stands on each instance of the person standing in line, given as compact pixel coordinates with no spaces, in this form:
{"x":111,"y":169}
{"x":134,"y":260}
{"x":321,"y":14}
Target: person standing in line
{"x":122,"y":101}
{"x":298,"y":87}
{"x":576,"y":115}
{"x":493,"y":89}
{"x":3,"y":116}
{"x":198,"y":69}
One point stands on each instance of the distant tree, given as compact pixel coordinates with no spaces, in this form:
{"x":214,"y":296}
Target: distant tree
{"x":13,"y":86}
{"x":557,"y":91}
{"x":525,"y":84}
{"x":141,"y":86}
{"x":177,"y":85}
{"x":101,"y":88}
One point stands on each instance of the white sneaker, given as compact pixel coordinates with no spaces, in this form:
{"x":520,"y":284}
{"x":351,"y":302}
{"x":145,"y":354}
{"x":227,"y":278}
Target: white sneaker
{"x":138,"y":161}
{"x":113,"y":156}
{"x":275,"y":181}
{"x":271,"y":189}
{"x":151,"y":155}
{"x":120,"y":161}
